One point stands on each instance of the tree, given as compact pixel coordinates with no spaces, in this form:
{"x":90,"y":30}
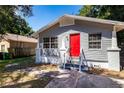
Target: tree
{"x":85,"y":10}
{"x":106,"y":12}
{"x":103,"y":11}
{"x":88,"y":10}
{"x":12,"y":19}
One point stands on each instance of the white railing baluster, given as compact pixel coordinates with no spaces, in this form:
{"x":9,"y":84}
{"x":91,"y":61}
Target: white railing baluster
{"x":64,"y":60}
{"x":80,"y":63}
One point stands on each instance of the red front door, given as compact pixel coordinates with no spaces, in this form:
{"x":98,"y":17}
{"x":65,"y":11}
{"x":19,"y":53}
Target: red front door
{"x":74,"y":44}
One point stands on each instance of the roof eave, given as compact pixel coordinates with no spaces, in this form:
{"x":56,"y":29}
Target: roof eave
{"x":102,"y":21}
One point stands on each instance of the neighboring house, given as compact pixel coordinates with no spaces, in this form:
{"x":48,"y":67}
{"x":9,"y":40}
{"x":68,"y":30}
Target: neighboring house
{"x":18,"y":45}
{"x":71,"y":36}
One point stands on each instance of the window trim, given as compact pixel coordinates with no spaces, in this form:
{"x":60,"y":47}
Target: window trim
{"x":4,"y":48}
{"x":50,"y":42}
{"x":94,"y":41}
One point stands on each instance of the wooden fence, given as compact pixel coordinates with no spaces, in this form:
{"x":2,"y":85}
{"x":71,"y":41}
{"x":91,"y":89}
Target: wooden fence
{"x":20,"y":52}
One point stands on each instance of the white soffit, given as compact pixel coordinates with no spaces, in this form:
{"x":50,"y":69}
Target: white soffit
{"x":66,"y":21}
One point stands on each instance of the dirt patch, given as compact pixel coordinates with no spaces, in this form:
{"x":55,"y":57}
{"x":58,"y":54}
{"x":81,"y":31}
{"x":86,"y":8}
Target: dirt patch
{"x":38,"y":83}
{"x":105,"y":72}
{"x":30,"y":76}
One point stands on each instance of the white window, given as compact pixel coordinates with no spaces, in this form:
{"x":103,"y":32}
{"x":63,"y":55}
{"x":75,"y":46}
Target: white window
{"x":3,"y":48}
{"x":95,"y":41}
{"x":50,"y":42}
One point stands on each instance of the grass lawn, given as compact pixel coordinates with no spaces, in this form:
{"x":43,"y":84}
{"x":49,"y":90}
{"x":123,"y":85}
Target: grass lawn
{"x":3,"y":63}
{"x":23,"y":72}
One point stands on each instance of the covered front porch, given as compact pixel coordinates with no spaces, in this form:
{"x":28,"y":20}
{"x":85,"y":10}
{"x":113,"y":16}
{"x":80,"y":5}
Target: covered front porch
{"x":67,"y":58}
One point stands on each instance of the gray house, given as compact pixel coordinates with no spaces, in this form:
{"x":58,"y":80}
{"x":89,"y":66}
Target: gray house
{"x":80,"y":40}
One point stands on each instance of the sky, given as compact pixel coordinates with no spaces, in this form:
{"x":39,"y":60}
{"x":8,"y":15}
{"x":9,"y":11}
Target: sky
{"x":44,"y":14}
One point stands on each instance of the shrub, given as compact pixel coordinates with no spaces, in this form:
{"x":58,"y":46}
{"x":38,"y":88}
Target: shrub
{"x":7,"y":56}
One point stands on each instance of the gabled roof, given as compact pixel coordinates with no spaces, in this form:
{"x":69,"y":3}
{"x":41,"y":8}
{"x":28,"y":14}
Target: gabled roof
{"x":15,"y":37}
{"x":90,"y":19}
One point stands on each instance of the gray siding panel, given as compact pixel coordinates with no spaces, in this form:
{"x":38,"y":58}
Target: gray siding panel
{"x":100,"y":54}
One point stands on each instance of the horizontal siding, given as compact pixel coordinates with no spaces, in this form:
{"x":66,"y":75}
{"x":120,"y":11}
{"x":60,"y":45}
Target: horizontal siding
{"x":100,"y":54}
{"x":62,"y":32}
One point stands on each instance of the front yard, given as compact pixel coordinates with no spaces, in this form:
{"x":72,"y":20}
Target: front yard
{"x":22,"y":72}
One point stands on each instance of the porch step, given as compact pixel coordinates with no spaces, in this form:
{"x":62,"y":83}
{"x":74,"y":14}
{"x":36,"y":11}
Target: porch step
{"x":75,"y":60}
{"x":75,"y":67}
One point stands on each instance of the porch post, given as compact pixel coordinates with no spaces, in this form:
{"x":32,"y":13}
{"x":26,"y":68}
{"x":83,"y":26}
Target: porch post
{"x":38,"y":54}
{"x":113,"y":53}
{"x":63,"y":51}
{"x":114,"y":38}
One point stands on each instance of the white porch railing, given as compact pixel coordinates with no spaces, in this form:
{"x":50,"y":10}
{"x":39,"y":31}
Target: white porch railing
{"x":66,"y":58}
{"x":48,"y":56}
{"x":83,"y":61}
{"x":55,"y":56}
